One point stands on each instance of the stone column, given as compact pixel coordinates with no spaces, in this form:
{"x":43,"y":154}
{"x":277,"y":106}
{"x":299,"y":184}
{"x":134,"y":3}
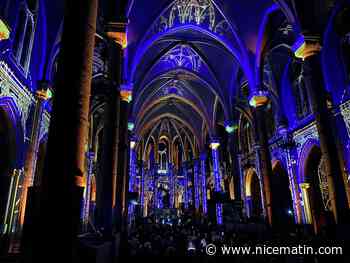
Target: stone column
{"x":241,"y":175}
{"x":132,"y":176}
{"x":204,"y":182}
{"x":143,"y":188}
{"x":196,"y":184}
{"x":63,"y":178}
{"x":309,"y":50}
{"x":185,"y":175}
{"x":122,"y":182}
{"x":9,"y":219}
{"x":259,"y":101}
{"x":217,"y":177}
{"x":155,"y":178}
{"x":107,"y":187}
{"x":172,"y":180}
{"x":132,"y":165}
{"x":233,"y":147}
{"x":305,"y":188}
{"x":294,"y":185}
{"x":32,"y":152}
{"x":86,"y":209}
{"x":249,"y":206}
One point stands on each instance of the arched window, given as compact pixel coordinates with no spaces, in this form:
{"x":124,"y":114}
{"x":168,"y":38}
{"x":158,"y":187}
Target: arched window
{"x":24,"y":33}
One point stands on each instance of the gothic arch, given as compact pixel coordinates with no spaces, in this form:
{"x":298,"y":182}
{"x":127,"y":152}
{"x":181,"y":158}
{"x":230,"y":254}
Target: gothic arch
{"x":253,"y":194}
{"x":8,"y":157}
{"x":282,"y":205}
{"x":305,"y":152}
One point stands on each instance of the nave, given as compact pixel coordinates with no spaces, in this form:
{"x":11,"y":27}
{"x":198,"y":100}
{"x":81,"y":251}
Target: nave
{"x":160,"y":127}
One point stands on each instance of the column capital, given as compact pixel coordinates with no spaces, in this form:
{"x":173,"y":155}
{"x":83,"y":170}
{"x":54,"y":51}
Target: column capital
{"x":131,"y":125}
{"x":259,"y":98}
{"x":126,"y":92}
{"x":304,"y":186}
{"x":307,"y":46}
{"x":214,"y":143}
{"x":132,"y":144}
{"x":231,"y":126}
{"x":44,"y":90}
{"x":116,"y":31}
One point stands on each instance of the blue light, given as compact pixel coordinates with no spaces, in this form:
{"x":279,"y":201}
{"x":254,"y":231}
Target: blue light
{"x":196,"y":185}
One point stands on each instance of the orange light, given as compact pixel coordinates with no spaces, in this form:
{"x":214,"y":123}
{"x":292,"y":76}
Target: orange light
{"x":4,"y":31}
{"x":119,"y":37}
{"x":126,"y":95}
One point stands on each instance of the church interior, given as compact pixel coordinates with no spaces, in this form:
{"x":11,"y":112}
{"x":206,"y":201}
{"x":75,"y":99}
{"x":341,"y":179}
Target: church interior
{"x":158,"y":127}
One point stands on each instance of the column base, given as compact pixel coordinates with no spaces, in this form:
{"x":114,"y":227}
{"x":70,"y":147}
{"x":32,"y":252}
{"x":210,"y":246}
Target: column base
{"x":30,"y":226}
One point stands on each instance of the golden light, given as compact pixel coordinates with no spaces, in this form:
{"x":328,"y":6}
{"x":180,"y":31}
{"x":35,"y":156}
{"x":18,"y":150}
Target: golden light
{"x":132,"y":144}
{"x":4,"y":31}
{"x":214,"y":145}
{"x":119,"y":37}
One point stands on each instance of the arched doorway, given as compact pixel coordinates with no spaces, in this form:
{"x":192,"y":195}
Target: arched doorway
{"x":7,"y":161}
{"x":320,"y":217}
{"x":282,"y":205}
{"x":253,"y":195}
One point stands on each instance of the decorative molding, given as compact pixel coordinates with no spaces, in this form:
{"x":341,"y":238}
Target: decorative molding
{"x":189,"y":11}
{"x":201,"y":13}
{"x":322,"y":175}
{"x":10,"y":86}
{"x":44,"y":125}
{"x":99,"y":66}
{"x":345,"y":112}
{"x":185,"y":57}
{"x":303,"y":135}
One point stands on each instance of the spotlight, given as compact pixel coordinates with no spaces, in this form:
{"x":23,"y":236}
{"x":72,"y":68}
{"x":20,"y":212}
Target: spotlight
{"x":230,"y":126}
{"x":131,"y":126}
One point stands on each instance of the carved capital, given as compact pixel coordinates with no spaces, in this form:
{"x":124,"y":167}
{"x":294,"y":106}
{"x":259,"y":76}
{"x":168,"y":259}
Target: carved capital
{"x":117,"y":33}
{"x":4,"y":31}
{"x":307,"y":47}
{"x":259,"y":99}
{"x":305,"y":186}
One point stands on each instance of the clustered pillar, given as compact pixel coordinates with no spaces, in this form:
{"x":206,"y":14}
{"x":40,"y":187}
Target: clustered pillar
{"x":107,"y":187}
{"x":185,"y":175}
{"x":259,"y":101}
{"x":196,"y":185}
{"x":63,"y":179}
{"x":316,"y":88}
{"x":32,"y":152}
{"x":217,"y":178}
{"x":204,"y":182}
{"x":90,"y":155}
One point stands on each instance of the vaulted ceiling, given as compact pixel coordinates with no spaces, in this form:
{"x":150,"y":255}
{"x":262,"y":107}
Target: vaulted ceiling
{"x":187,"y":59}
